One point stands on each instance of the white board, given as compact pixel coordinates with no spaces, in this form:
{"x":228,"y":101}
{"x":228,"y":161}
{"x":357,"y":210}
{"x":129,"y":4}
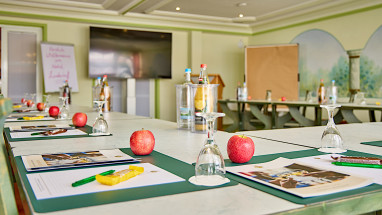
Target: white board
{"x":59,"y":65}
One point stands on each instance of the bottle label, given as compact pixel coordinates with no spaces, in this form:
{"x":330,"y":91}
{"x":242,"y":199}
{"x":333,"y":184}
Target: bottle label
{"x":185,"y":113}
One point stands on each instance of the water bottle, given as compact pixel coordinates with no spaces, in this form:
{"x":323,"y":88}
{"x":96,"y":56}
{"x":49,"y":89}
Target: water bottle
{"x":184,"y":102}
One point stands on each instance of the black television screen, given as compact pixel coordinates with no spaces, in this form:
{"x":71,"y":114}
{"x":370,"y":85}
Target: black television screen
{"x":123,"y":53}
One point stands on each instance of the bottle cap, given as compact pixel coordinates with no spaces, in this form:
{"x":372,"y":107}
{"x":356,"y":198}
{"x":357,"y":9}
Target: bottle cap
{"x":203,"y":65}
{"x":188,"y":70}
{"x":99,"y":78}
{"x":105,"y":76}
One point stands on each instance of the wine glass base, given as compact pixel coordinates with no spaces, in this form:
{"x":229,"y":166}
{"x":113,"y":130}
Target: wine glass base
{"x":332,"y":150}
{"x":99,"y":134}
{"x":213,"y":180}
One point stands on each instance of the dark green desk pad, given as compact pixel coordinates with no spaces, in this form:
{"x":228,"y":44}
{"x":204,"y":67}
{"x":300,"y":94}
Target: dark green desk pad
{"x":373,"y":143}
{"x":291,"y":197}
{"x":88,"y":129}
{"x":165,"y":162}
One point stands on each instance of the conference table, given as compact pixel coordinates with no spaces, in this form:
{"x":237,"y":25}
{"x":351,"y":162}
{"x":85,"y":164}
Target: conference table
{"x":360,"y":137}
{"x":184,"y":146}
{"x":275,"y":114}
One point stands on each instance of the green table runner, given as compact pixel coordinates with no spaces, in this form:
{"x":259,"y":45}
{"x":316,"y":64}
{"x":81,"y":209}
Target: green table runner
{"x":291,"y":197}
{"x":165,"y":162}
{"x":373,"y":143}
{"x":86,"y":128}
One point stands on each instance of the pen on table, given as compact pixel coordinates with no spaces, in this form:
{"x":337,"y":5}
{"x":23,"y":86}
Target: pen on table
{"x":90,"y":179}
{"x":358,"y":165}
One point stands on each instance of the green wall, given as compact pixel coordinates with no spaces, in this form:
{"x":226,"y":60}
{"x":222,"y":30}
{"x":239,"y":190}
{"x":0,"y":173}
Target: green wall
{"x":218,"y":50}
{"x":352,"y":30}
{"x":192,"y":46}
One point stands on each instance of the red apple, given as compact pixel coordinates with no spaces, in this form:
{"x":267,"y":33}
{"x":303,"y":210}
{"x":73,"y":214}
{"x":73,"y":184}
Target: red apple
{"x":54,"y":111}
{"x":23,"y":100}
{"x":142,"y":142}
{"x":30,"y":103}
{"x":79,"y":119}
{"x":240,"y":149}
{"x":283,"y":99}
{"x":40,"y":106}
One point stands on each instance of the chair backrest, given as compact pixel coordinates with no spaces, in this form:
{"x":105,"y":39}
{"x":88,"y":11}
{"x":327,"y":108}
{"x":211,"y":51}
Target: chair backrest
{"x":7,"y":196}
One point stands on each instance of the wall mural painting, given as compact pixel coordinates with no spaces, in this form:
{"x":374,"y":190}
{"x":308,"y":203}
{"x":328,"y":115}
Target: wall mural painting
{"x":371,"y":66}
{"x":321,"y":56}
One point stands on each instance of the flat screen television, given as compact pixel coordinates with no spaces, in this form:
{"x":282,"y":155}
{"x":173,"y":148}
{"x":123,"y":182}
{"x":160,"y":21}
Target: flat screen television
{"x":124,"y":53}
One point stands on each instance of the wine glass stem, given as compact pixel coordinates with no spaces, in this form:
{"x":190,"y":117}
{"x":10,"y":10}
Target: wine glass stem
{"x":210,"y":129}
{"x":330,"y":116}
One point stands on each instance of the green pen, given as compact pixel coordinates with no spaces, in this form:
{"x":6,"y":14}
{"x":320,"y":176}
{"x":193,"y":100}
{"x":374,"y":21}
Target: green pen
{"x":358,"y":165}
{"x":91,"y":178}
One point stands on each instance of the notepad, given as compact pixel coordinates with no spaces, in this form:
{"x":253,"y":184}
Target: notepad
{"x":58,"y":183}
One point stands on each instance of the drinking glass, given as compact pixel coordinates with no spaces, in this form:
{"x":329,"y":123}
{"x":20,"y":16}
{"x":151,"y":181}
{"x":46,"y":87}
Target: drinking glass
{"x":46,"y":97}
{"x":32,"y":97}
{"x":100,"y":126}
{"x":210,"y":168}
{"x":331,"y":140}
{"x":64,"y":112}
{"x":309,"y":97}
{"x":26,"y":98}
{"x":360,"y":98}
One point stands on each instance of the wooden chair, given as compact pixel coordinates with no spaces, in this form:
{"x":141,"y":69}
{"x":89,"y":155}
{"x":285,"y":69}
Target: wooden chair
{"x":7,"y":196}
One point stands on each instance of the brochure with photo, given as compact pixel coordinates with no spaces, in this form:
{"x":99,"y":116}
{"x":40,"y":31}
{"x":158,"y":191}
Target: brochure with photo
{"x":75,"y":159}
{"x":299,"y":178}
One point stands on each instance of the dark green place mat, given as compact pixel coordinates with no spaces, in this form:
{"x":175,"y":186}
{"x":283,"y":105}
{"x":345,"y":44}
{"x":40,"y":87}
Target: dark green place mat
{"x":373,"y":143}
{"x":291,"y":197}
{"x":160,"y":160}
{"x":88,"y":129}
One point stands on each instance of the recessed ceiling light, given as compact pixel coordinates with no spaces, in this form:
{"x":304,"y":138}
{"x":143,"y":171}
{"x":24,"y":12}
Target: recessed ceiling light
{"x":241,"y":15}
{"x":243,"y":4}
{"x":177,"y":8}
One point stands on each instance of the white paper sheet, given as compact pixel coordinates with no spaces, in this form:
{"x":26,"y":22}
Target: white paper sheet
{"x":58,"y":184}
{"x":24,"y":134}
{"x":46,"y":118}
{"x":16,"y":135}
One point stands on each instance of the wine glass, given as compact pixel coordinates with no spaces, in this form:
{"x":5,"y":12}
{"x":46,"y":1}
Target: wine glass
{"x":360,"y":98}
{"x":46,"y":97}
{"x":26,"y":98}
{"x":100,"y":126}
{"x":210,"y":168}
{"x":64,"y":112}
{"x":331,"y":140}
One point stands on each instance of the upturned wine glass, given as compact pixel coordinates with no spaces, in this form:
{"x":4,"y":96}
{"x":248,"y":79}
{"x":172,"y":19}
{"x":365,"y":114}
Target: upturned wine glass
{"x":331,"y":140}
{"x":210,"y":167}
{"x":100,"y":126}
{"x":64,"y":112}
{"x":47,"y":106}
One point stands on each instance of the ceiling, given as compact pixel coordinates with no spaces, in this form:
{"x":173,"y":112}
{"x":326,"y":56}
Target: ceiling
{"x":249,"y":13}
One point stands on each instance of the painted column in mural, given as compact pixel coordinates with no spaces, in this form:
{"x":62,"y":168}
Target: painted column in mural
{"x":354,"y":70}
